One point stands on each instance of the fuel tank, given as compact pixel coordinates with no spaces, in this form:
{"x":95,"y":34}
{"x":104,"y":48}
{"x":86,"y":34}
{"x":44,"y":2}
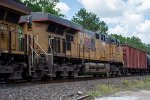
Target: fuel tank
{"x":96,"y":68}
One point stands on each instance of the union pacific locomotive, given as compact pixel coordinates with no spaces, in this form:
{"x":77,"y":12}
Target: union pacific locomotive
{"x":42,"y":45}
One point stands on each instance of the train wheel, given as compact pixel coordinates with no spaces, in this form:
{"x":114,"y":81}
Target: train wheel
{"x":71,"y":74}
{"x":40,"y":74}
{"x":58,"y":75}
{"x":4,"y":78}
{"x":100,"y":75}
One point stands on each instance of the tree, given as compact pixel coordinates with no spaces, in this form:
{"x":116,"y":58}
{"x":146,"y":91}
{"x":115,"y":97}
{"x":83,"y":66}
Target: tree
{"x":90,"y":21}
{"x":133,"y":41}
{"x":47,"y":6}
{"x":103,"y":27}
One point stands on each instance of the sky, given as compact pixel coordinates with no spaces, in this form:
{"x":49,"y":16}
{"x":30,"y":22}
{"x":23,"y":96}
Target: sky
{"x":126,"y":17}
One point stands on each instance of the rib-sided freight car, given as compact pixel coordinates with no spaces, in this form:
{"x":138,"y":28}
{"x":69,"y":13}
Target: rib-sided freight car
{"x":135,"y":60}
{"x":46,"y":46}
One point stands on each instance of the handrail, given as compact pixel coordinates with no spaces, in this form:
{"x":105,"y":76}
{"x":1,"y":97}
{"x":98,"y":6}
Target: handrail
{"x":40,"y":46}
{"x":50,"y":44}
{"x":33,"y":50}
{"x":33,"y":55}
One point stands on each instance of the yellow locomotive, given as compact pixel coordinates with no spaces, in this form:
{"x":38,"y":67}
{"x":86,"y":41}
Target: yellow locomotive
{"x":9,"y":18}
{"x":41,"y":45}
{"x":71,"y":50}
{"x":46,"y":46}
{"x":9,"y":44}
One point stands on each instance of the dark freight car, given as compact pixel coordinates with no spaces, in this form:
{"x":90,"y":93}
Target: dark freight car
{"x":135,"y":60}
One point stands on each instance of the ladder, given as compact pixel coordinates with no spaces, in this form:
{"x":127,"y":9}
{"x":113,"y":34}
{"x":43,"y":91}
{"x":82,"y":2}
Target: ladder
{"x":42,"y":62}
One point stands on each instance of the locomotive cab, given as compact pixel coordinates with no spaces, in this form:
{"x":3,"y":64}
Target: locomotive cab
{"x":9,"y":18}
{"x":10,"y":56}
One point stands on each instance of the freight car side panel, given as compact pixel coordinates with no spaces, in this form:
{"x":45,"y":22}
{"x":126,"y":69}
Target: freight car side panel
{"x":134,"y":58}
{"x":144,"y":60}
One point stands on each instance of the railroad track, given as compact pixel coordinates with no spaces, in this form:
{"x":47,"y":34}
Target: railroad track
{"x":38,"y":82}
{"x":59,"y":89}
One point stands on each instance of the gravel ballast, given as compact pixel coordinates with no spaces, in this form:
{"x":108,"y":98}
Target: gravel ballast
{"x":56,"y":91}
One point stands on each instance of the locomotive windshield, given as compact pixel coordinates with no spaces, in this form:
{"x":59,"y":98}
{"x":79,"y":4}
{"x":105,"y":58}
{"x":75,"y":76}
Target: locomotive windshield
{"x":12,"y":17}
{"x":2,"y":13}
{"x":52,"y":28}
{"x":56,"y":29}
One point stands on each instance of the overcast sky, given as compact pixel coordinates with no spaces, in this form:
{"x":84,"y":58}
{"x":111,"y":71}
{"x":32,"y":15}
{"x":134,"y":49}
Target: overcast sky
{"x":126,"y":17}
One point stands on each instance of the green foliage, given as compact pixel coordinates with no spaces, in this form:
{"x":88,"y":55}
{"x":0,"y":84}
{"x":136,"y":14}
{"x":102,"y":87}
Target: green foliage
{"x":47,"y":6}
{"x":90,"y":21}
{"x":104,"y":89}
{"x":133,"y":41}
{"x":107,"y":89}
{"x":95,"y":93}
{"x":137,"y":84}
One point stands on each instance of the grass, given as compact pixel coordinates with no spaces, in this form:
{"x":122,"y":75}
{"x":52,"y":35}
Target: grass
{"x":107,"y":89}
{"x":103,"y":89}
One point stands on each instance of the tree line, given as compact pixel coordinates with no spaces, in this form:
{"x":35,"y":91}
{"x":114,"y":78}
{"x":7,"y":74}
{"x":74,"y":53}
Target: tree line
{"x":88,"y":20}
{"x":133,"y":41}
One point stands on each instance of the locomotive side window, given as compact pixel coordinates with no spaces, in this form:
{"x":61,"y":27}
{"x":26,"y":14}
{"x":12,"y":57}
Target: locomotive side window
{"x":12,"y":17}
{"x":68,"y":42}
{"x":2,"y":14}
{"x":55,"y":43}
{"x":69,"y":39}
{"x":56,"y":29}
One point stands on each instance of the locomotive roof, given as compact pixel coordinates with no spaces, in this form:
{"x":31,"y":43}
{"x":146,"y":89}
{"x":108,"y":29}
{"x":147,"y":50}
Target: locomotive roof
{"x":13,"y":5}
{"x":40,"y":17}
